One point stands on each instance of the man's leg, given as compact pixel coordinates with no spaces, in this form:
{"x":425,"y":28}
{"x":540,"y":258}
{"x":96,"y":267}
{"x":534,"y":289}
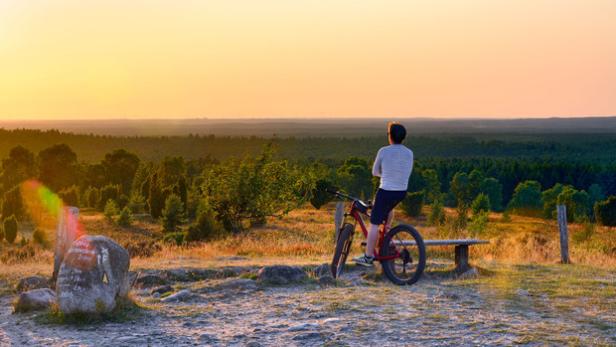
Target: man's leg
{"x":373,"y":234}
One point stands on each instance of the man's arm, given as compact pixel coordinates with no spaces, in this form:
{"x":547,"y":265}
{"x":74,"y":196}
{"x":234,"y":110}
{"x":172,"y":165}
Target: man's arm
{"x":376,"y":167}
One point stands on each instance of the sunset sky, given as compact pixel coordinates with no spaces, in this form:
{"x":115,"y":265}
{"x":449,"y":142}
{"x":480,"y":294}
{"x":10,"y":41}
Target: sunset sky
{"x":281,"y":58}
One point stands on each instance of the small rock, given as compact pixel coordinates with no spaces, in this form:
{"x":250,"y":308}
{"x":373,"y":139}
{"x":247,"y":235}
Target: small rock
{"x":522,"y":292}
{"x":150,"y":280}
{"x":323,"y":270}
{"x":180,"y":275}
{"x":182,"y":295}
{"x":306,"y":336}
{"x":208,"y":338}
{"x":304,"y":326}
{"x":32,"y":282}
{"x":327,"y":280}
{"x":161,"y":289}
{"x":281,"y":275}
{"x":36,"y":299}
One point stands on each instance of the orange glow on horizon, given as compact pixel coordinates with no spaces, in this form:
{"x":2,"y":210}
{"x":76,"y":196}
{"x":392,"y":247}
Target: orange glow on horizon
{"x":69,"y":59}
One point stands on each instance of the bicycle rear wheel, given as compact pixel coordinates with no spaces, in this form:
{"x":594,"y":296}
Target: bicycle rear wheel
{"x":407,"y":248}
{"x":343,"y":246}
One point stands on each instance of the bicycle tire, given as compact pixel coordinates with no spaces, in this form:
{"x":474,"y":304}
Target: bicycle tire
{"x":343,"y":246}
{"x":389,"y":265}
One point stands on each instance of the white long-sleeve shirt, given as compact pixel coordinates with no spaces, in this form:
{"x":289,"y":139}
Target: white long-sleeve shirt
{"x":393,"y":164}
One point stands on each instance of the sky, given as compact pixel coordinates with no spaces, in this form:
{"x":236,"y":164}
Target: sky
{"x":64,"y":59}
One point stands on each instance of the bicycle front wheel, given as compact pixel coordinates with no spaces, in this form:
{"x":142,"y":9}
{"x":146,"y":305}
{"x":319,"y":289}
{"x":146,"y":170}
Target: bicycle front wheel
{"x":407,"y":252}
{"x":343,"y":246}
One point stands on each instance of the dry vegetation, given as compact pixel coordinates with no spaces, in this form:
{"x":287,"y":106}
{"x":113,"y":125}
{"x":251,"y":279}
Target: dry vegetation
{"x":306,"y":236}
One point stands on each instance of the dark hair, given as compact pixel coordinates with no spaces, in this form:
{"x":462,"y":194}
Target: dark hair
{"x":397,"y":132}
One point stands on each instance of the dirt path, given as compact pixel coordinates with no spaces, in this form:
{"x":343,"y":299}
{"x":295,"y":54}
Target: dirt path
{"x":358,"y":312}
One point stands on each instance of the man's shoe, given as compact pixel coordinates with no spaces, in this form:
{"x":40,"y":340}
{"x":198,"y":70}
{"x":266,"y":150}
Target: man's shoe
{"x":364,"y":260}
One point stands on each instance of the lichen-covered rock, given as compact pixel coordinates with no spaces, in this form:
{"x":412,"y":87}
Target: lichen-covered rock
{"x":182,"y":295}
{"x":93,"y":276}
{"x":281,"y":275}
{"x":32,"y":282}
{"x":36,"y":299}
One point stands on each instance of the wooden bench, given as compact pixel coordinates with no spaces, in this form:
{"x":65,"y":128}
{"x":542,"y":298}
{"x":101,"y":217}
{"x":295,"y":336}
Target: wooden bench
{"x":461,"y":250}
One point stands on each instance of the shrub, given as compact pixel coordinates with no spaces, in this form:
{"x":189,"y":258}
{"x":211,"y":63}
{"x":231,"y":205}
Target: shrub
{"x":206,"y":226}
{"x":412,"y":204}
{"x":605,"y":211}
{"x":437,"y":213}
{"x":178,"y":238}
{"x":12,"y":203}
{"x":126,"y":217}
{"x":526,"y":198}
{"x":479,"y":222}
{"x":585,"y":234}
{"x":136,"y":203}
{"x":10,"y":229}
{"x":108,"y":192}
{"x":111,"y":209}
{"x":480,"y":204}
{"x":91,"y":197}
{"x":70,"y":195}
{"x":577,"y":202}
{"x":172,"y":214}
{"x":40,"y":237}
{"x":494,"y":190}
{"x":549,"y":197}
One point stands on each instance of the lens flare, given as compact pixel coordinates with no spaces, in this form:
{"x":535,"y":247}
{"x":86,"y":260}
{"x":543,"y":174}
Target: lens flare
{"x":47,"y":209}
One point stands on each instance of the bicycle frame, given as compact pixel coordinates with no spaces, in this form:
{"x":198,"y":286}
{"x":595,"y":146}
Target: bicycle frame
{"x":356,"y":215}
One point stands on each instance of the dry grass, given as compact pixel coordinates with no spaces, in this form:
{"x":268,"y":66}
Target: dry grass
{"x":306,"y":236}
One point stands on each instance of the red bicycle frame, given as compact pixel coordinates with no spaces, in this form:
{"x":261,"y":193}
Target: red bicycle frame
{"x":356,"y":214}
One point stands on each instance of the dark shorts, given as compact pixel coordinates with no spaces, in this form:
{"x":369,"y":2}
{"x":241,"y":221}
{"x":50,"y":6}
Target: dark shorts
{"x":384,"y":202}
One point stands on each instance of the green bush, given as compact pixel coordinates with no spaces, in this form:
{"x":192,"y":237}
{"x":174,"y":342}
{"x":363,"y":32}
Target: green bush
{"x":12,"y":203}
{"x":136,"y":203}
{"x":481,"y":204}
{"x":527,"y":198}
{"x":111,"y":210}
{"x":605,"y":211}
{"x":412,"y":204}
{"x":108,"y":192}
{"x":10,"y":229}
{"x":437,"y":213}
{"x":479,"y":222}
{"x":172,"y":214}
{"x":178,"y":238}
{"x":40,"y":237}
{"x":206,"y":226}
{"x":125,"y":219}
{"x":577,"y":202}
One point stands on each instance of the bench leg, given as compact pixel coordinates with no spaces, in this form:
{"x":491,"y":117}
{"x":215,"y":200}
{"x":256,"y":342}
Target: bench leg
{"x":462,"y":259}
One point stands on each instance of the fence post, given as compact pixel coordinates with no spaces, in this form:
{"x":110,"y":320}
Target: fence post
{"x":66,"y":233}
{"x":564,"y":234}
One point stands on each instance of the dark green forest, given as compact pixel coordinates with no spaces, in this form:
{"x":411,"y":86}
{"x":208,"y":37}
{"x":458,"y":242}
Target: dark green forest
{"x":200,"y":186}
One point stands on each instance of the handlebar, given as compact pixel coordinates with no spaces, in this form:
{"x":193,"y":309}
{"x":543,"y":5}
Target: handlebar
{"x":348,"y":197}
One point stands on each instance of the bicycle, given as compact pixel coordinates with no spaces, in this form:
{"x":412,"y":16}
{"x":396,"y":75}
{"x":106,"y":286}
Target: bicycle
{"x":400,"y":250}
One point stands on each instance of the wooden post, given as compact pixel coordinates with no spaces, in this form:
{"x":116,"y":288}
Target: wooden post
{"x":461,"y":258}
{"x":564,"y":235}
{"x":338,"y":218}
{"x":65,"y":235}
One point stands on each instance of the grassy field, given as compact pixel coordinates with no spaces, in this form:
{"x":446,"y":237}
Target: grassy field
{"x":306,"y":236}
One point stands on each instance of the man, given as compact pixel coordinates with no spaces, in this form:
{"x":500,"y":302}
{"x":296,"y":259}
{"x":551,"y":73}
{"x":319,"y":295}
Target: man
{"x":393,"y":164}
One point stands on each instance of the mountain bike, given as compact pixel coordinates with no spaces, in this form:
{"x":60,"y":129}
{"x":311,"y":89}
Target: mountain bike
{"x":400,"y":250}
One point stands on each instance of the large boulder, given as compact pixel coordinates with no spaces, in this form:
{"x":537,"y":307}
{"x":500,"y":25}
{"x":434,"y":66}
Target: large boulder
{"x":36,"y":299}
{"x":32,"y":282}
{"x":93,"y":276}
{"x":281,"y":275}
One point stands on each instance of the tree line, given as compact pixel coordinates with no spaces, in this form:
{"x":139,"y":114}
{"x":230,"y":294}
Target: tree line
{"x":196,"y":199}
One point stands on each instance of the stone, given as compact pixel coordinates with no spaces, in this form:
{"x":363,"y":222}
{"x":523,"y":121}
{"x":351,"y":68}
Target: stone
{"x":32,"y":282}
{"x":35,"y":299}
{"x":323,"y":270}
{"x":182,"y":295}
{"x":281,"y":275}
{"x":304,"y":326}
{"x":180,"y":275}
{"x":327,"y":280}
{"x":93,"y":276}
{"x":149,"y":280}
{"x":161,"y":289}
{"x":306,"y":336}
